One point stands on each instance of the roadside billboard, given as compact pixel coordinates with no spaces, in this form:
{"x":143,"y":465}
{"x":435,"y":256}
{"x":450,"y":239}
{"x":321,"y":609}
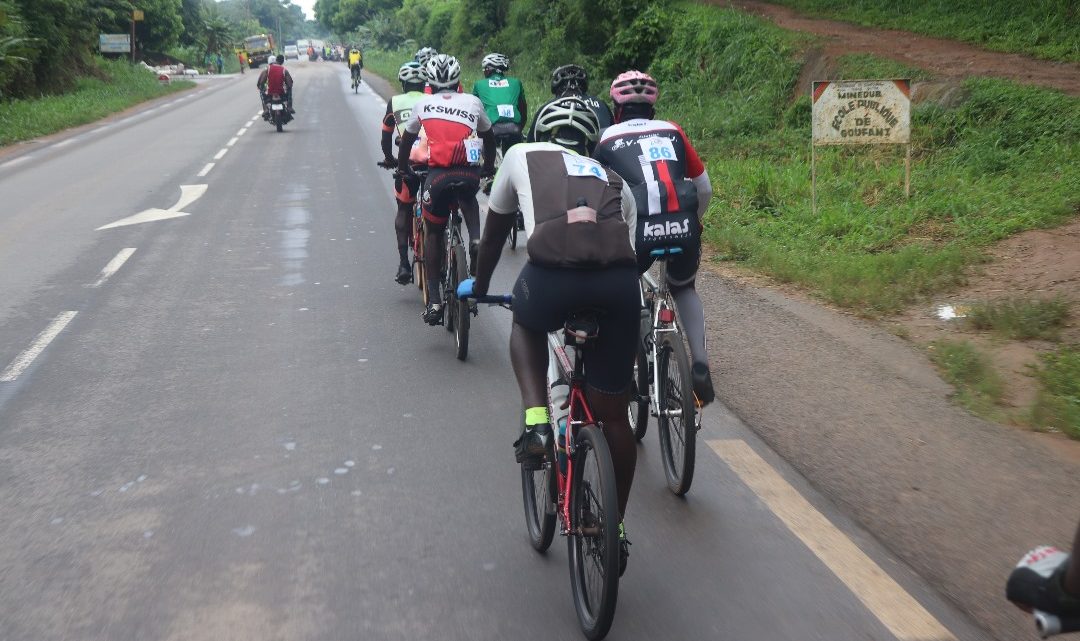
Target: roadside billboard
{"x":114,"y":43}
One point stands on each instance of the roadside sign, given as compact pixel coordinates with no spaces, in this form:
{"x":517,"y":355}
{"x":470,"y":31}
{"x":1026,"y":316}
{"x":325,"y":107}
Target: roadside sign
{"x":114,"y":42}
{"x":861,"y":112}
{"x":137,"y":15}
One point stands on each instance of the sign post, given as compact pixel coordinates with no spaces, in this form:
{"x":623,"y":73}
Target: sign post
{"x":136,"y":16}
{"x":114,"y":43}
{"x":861,"y":112}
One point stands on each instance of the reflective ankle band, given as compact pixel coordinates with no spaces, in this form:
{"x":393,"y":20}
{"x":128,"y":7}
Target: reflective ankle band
{"x":536,"y":416}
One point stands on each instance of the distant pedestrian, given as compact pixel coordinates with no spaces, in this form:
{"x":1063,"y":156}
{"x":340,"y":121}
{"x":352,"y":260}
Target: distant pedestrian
{"x":220,"y":64}
{"x":241,"y":57}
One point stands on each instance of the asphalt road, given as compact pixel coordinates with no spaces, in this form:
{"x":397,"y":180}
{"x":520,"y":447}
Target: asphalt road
{"x":243,"y":430}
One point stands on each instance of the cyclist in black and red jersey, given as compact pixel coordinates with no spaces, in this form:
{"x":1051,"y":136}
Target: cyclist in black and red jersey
{"x":1048,"y":579}
{"x":452,"y":121}
{"x":672,"y":191}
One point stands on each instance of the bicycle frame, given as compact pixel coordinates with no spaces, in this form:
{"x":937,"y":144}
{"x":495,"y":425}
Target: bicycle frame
{"x":579,"y":416}
{"x":658,"y":299}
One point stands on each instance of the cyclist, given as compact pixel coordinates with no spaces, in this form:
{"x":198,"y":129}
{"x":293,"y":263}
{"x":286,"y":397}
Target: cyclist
{"x":573,"y":80}
{"x":503,"y":98}
{"x":424,"y":54}
{"x":356,"y":63}
{"x":1048,"y":579}
{"x":672,"y":190}
{"x":275,"y":79}
{"x":579,"y":219}
{"x":398,"y":112}
{"x":452,"y":121}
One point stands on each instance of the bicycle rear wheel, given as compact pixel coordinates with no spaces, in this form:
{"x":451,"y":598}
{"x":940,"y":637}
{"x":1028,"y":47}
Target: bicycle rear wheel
{"x":538,"y":491}
{"x":594,"y":540}
{"x":638,"y":409}
{"x":418,"y":255}
{"x":512,"y":238}
{"x":676,"y":422}
{"x":456,"y":273}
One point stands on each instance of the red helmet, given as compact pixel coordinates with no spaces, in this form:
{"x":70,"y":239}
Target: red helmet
{"x":634,"y":86}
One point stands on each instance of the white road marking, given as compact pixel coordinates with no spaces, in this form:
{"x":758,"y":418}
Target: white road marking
{"x":206,"y":169}
{"x":17,"y":161}
{"x":22,"y":361}
{"x":241,"y":132}
{"x":114,"y":266}
{"x":221,"y":154}
{"x":232,"y":141}
{"x":65,"y":143}
{"x":257,"y":114}
{"x":882,"y":596}
{"x":188,"y":195}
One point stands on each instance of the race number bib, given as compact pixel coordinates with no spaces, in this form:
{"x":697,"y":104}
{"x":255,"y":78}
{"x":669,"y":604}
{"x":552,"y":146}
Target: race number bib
{"x":499,"y":84}
{"x":474,"y":149}
{"x":506,"y":111}
{"x":656,"y":149}
{"x":584,"y":167}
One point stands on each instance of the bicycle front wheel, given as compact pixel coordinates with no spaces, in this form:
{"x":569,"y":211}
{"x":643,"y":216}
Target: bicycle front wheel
{"x":538,"y":491}
{"x":458,"y":272}
{"x":594,"y":540}
{"x":676,"y":424}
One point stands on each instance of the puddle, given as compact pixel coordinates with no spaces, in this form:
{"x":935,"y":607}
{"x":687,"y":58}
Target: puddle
{"x":952,"y":312}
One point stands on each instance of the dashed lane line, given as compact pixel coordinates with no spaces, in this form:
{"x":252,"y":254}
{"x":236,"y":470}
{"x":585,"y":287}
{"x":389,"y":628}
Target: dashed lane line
{"x":232,"y":141}
{"x":221,"y":154}
{"x":883,"y":597}
{"x":113,"y":266}
{"x":25,"y":359}
{"x":206,"y":169}
{"x":241,"y":132}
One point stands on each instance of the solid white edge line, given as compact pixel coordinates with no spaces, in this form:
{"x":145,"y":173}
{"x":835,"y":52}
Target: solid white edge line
{"x":897,"y":610}
{"x":232,"y":141}
{"x":12,"y":163}
{"x":22,"y":361}
{"x":206,"y":169}
{"x":114,"y":266}
{"x":221,"y":154}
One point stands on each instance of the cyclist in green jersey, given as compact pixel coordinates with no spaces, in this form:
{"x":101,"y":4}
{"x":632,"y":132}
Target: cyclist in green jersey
{"x":398,"y":112}
{"x":504,"y":100}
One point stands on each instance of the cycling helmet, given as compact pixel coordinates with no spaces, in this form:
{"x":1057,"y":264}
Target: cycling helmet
{"x":272,"y":60}
{"x":567,"y":113}
{"x":634,"y":87}
{"x":443,"y":71}
{"x":495,"y":62}
{"x":424,"y":54}
{"x":411,"y":73}
{"x":569,"y":77}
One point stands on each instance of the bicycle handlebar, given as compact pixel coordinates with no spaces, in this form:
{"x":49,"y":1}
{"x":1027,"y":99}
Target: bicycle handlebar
{"x":493,"y":299}
{"x":1050,"y":625}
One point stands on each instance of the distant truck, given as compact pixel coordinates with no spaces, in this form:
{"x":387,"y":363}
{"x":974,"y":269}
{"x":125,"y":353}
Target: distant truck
{"x":258,"y":48}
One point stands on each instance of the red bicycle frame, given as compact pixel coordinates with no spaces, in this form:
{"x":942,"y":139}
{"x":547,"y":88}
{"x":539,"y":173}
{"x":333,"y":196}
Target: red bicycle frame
{"x":580,"y":415}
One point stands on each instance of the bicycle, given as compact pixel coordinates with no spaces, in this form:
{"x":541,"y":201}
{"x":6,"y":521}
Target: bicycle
{"x":512,"y":239}
{"x":585,"y":505}
{"x":356,"y":79}
{"x":662,"y":384}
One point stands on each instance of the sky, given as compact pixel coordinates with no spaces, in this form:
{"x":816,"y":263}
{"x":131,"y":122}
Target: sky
{"x":308,"y":6}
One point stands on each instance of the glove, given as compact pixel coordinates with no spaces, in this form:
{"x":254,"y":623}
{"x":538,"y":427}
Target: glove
{"x":487,"y":172}
{"x":1037,"y":582}
{"x":465,"y":288}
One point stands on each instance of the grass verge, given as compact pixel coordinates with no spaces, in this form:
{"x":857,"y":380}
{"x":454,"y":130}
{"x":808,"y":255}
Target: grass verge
{"x":978,"y":386}
{"x":1042,"y":28}
{"x":119,"y":86}
{"x":1020,"y":318}
{"x":1058,"y":404}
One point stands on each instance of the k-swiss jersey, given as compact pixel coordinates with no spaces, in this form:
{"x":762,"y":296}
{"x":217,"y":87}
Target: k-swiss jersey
{"x":451,"y":121}
{"x":656,"y":158}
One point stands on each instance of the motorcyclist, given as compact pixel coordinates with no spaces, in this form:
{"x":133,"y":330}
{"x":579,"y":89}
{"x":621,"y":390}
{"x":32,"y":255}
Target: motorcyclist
{"x":276,"y":79}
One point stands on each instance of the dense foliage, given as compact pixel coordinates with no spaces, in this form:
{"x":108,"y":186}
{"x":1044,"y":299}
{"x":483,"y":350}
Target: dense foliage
{"x":47,"y":45}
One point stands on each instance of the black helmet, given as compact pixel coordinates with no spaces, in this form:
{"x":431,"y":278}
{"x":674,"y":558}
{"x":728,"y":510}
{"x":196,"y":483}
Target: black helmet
{"x":569,"y":78}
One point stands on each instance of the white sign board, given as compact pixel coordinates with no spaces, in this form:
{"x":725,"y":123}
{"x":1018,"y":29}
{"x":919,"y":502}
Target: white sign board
{"x":862,"y":112}
{"x":114,"y":43}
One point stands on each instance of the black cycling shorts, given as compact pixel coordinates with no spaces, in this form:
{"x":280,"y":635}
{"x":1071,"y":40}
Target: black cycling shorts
{"x":444,"y":186}
{"x":544,"y":297}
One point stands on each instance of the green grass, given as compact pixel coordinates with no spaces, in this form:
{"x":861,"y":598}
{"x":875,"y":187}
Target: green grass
{"x":120,"y":86}
{"x":1020,"y":318}
{"x":978,"y":386}
{"x":1058,"y":403}
{"x":1042,"y":28}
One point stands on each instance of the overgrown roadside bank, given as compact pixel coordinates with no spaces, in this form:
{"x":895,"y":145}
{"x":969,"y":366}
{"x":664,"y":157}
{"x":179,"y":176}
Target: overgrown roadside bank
{"x":858,"y":411}
{"x":117,"y":85}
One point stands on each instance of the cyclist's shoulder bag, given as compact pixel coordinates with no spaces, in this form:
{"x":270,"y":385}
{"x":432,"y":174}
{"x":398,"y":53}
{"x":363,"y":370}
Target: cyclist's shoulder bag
{"x":577,"y":206}
{"x":680,"y":228}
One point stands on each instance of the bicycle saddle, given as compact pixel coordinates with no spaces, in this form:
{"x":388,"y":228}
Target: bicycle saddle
{"x":581,"y":326}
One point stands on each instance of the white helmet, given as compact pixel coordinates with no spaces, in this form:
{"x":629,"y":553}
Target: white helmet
{"x":443,"y":71}
{"x":411,"y":73}
{"x":563,"y":113}
{"x":495,"y":61}
{"x":272,"y":60}
{"x":424,"y":54}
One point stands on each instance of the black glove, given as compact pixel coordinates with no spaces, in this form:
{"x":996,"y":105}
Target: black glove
{"x":487,"y":172}
{"x":388,"y":163}
{"x":1037,"y":582}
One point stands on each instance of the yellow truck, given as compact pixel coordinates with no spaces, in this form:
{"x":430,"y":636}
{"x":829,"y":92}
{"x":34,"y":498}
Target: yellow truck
{"x":258,"y":49}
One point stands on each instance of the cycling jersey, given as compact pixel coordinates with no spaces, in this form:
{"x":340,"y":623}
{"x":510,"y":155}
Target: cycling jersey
{"x":451,"y":121}
{"x":502,"y":98}
{"x":545,"y":182}
{"x":355,"y":57}
{"x":656,"y":158}
{"x":399,"y":110}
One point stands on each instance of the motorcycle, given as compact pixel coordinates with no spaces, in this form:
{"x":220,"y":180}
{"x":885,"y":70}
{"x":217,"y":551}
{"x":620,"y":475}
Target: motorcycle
{"x":276,"y":111}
